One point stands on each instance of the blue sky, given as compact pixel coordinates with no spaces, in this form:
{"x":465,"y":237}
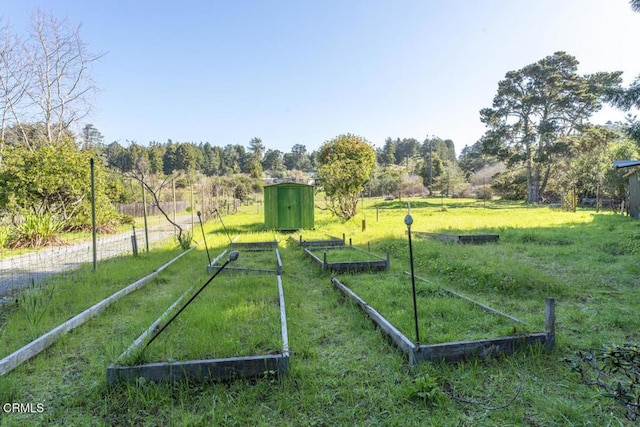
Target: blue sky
{"x":302,"y":72}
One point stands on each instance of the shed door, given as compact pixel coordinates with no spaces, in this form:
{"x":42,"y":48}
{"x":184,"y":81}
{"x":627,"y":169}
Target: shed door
{"x":289,"y":208}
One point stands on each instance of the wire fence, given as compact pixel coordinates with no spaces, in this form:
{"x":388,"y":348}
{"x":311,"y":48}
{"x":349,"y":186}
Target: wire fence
{"x":23,"y":268}
{"x":19,"y":270}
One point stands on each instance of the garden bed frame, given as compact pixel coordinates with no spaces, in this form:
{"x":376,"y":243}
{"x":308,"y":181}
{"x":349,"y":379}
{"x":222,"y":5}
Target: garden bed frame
{"x":381,"y":264}
{"x":220,"y":369}
{"x":462,"y":238}
{"x":250,"y":247}
{"x":331,"y":242}
{"x":458,"y":350}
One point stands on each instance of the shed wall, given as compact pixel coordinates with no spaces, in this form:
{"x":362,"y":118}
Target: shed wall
{"x":289,"y":206}
{"x":634,"y":196}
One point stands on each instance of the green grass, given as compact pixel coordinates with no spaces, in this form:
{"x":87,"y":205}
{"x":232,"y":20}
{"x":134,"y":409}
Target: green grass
{"x":252,"y":259}
{"x":343,"y":371}
{"x":65,"y":295}
{"x":442,"y":316}
{"x":208,"y":328}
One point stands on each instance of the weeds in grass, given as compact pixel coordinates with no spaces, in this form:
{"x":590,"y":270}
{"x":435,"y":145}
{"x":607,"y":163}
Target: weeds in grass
{"x":426,"y":389}
{"x":185,"y":239}
{"x":35,"y":301}
{"x":9,"y":391}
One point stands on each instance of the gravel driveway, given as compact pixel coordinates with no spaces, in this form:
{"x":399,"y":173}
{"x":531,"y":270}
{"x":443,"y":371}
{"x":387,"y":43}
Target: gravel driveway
{"x":18,"y":271}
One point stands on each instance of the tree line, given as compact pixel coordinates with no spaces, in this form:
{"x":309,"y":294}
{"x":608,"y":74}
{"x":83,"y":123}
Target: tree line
{"x":539,"y":145}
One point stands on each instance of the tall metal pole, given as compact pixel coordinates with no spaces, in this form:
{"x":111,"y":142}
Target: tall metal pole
{"x":93,"y":215}
{"x":192,"y":207}
{"x":204,"y":237}
{"x":408,"y":220}
{"x":146,"y":225}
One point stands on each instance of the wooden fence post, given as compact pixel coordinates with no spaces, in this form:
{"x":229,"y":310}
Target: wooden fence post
{"x":550,"y":322}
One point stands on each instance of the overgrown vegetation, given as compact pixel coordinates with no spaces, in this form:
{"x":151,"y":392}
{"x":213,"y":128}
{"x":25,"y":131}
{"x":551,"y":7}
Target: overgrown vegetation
{"x":615,"y":370}
{"x":343,"y":371}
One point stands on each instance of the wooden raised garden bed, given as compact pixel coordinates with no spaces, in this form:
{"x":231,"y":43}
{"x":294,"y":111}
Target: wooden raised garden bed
{"x":347,"y":259}
{"x":230,"y":331}
{"x":481,"y":330}
{"x":461,"y":238}
{"x":331,"y":242}
{"x":255,"y":258}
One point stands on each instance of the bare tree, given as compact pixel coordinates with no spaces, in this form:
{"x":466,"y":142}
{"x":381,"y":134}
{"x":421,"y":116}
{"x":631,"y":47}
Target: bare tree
{"x":45,"y":81}
{"x":13,"y":75}
{"x":61,"y":90}
{"x":154,"y":185}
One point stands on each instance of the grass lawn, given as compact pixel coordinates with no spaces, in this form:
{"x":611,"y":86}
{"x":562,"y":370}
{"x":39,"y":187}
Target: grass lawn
{"x":252,"y":259}
{"x":208,"y":328}
{"x":342,"y":370}
{"x":442,"y":316}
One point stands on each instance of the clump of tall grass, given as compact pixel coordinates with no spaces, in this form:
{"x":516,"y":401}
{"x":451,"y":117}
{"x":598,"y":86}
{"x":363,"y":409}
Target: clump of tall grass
{"x":185,"y":239}
{"x":37,"y":231}
{"x":34,"y":302}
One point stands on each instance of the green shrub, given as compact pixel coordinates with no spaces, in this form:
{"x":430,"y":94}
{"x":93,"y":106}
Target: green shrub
{"x":5,"y":233}
{"x":37,"y":231}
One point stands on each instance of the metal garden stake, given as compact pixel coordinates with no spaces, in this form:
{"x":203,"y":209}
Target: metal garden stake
{"x":409,"y":220}
{"x":204,"y":237}
{"x":233,"y":255}
{"x":225,"y":228}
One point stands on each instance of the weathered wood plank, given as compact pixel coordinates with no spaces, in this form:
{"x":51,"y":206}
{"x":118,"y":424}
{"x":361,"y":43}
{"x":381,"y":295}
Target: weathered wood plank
{"x":313,"y":257}
{"x":202,"y":370}
{"x":550,"y":322}
{"x":347,"y":266}
{"x":463,"y":350}
{"x":283,"y":319}
{"x":332,"y":242}
{"x":279,"y":267}
{"x":357,"y":266}
{"x":254,"y":245}
{"x":463,"y":238}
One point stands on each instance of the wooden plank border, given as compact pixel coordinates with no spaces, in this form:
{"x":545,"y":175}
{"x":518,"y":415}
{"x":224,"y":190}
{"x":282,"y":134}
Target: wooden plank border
{"x":459,"y":350}
{"x":221,"y":369}
{"x":333,"y":241}
{"x":465,"y":350}
{"x":461,"y":238}
{"x":346,"y":266}
{"x":230,"y":269}
{"x":201,"y":370}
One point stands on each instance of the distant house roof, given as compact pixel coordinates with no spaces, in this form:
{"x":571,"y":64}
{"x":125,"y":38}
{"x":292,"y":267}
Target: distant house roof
{"x":625,"y":163}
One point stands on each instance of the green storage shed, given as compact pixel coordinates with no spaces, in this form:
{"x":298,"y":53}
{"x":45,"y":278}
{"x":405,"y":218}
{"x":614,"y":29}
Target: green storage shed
{"x":288,"y":206}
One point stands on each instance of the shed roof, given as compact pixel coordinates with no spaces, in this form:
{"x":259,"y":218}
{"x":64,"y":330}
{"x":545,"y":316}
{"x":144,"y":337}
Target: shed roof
{"x":290,"y":184}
